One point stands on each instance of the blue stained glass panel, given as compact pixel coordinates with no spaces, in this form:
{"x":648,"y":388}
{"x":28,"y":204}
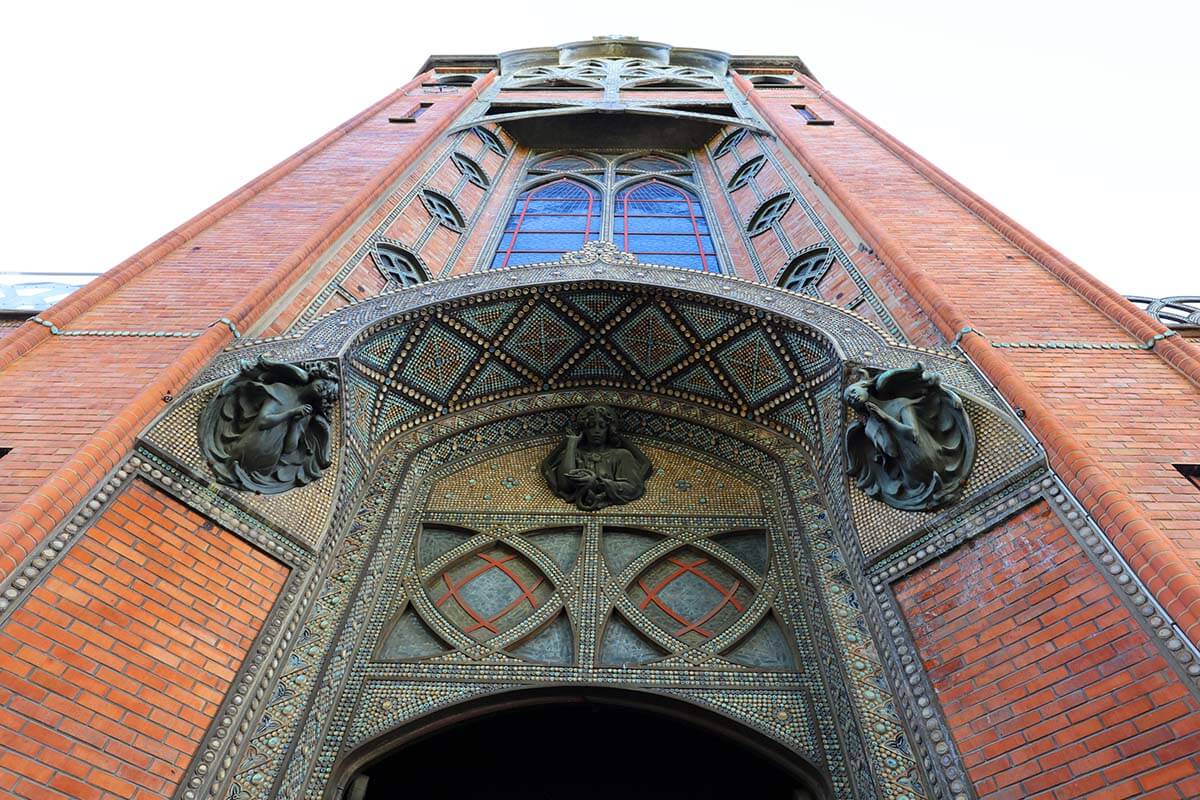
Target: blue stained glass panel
{"x":665,"y":224}
{"x":669,"y":243}
{"x":536,"y":224}
{"x":549,"y":242}
{"x":548,"y":220}
{"x":660,"y":225}
{"x":675,"y":260}
{"x":519,"y":259}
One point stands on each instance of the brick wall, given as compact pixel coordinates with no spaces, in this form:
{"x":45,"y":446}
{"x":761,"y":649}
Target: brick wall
{"x":113,"y":668}
{"x":1050,"y":687}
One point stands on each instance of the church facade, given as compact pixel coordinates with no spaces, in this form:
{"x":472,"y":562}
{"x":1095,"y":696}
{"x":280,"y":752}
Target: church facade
{"x":605,"y":418}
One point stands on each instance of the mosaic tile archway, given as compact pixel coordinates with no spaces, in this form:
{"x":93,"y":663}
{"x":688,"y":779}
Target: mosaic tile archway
{"x":478,"y":372}
{"x":460,"y":578}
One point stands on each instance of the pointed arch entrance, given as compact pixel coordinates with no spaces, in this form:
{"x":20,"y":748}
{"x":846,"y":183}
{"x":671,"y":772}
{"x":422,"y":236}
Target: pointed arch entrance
{"x":586,"y":743}
{"x":437,"y":571}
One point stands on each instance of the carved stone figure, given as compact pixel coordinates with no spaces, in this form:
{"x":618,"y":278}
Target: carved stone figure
{"x":915,"y":446}
{"x":268,"y":429}
{"x":595,"y":466}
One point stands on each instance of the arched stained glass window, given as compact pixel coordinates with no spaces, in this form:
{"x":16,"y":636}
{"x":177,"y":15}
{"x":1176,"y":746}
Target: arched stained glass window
{"x":664,"y":224}
{"x":547,"y":221}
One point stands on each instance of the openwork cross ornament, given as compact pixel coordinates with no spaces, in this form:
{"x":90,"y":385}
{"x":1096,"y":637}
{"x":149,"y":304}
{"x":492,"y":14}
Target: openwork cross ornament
{"x":914,"y":446}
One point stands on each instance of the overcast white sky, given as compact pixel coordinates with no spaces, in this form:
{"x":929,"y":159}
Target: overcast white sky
{"x":1078,"y":119}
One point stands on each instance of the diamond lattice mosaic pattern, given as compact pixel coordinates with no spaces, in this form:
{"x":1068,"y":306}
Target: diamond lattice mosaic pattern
{"x":531,"y":340}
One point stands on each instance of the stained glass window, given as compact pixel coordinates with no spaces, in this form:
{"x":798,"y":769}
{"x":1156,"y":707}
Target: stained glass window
{"x":565,"y":163}
{"x":664,"y":224}
{"x":651,"y":163}
{"x":547,"y":221}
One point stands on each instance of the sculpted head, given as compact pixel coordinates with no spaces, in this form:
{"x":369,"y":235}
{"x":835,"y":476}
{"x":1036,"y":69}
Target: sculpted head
{"x":324,"y":385}
{"x":857,"y":394}
{"x":597,"y":423}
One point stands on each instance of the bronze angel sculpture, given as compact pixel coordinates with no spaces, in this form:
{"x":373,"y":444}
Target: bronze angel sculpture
{"x":915,"y":446}
{"x":596,"y":467}
{"x":268,"y":429}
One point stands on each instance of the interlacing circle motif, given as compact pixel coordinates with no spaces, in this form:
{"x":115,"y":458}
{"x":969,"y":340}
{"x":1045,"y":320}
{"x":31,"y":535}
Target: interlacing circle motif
{"x":484,"y":620}
{"x":727,"y":596}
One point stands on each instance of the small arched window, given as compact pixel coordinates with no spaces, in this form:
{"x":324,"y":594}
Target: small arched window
{"x":664,"y":224}
{"x":398,"y":265}
{"x":768,"y":214}
{"x":729,"y":143}
{"x":470,"y":170}
{"x":442,"y":209}
{"x":547,"y":221}
{"x":490,"y":140}
{"x":805,"y":271}
{"x":746,"y":172}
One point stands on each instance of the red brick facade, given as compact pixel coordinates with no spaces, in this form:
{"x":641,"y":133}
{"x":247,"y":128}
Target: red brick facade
{"x":1049,"y":684}
{"x":113,"y":667}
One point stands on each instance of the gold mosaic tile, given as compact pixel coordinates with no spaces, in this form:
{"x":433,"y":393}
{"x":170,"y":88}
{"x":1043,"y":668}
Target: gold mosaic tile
{"x":513,"y":482}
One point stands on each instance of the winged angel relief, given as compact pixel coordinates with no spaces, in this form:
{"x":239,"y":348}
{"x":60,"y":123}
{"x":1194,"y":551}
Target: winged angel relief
{"x":268,"y":429}
{"x":914,"y":445}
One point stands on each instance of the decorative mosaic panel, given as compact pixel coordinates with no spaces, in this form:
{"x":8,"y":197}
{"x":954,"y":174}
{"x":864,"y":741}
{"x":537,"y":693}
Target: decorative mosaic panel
{"x":729,"y":611}
{"x":595,"y":319}
{"x":517,"y":343}
{"x":513,"y":482}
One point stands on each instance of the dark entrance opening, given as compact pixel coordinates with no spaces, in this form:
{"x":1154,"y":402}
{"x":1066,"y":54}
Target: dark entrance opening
{"x":580,"y":751}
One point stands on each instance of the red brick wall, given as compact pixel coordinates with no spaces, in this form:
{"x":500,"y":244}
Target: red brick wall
{"x":113,"y":668}
{"x":1050,"y":687}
